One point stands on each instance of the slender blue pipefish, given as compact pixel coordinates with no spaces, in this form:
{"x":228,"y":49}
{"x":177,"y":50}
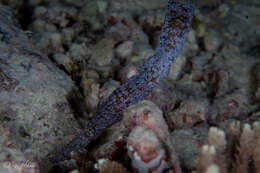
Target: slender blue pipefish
{"x":156,"y":68}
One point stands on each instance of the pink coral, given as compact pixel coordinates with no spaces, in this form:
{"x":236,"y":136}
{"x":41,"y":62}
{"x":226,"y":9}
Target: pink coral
{"x":149,"y":139}
{"x":146,"y":151}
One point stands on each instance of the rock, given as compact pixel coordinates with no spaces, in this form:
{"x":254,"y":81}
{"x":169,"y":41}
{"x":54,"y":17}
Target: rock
{"x":37,"y":2}
{"x":96,"y":24}
{"x":91,"y":93}
{"x":78,"y":52}
{"x":90,"y":74}
{"x":163,"y":96}
{"x":201,"y":30}
{"x":233,"y":59}
{"x":107,"y":89}
{"x":223,"y":10}
{"x":234,"y":105}
{"x":57,"y":14}
{"x":39,"y":11}
{"x":256,"y":82}
{"x":191,"y":46}
{"x":108,"y":166}
{"x":187,"y":143}
{"x":76,"y":3}
{"x":152,"y":19}
{"x":189,"y":114}
{"x":176,"y":68}
{"x":50,"y":42}
{"x":68,"y":34}
{"x":119,"y":32}
{"x":33,"y":99}
{"x":137,"y":6}
{"x":102,"y":6}
{"x":212,"y":41}
{"x":151,"y":24}
{"x":209,"y":3}
{"x":102,"y":52}
{"x":41,"y":26}
{"x":111,"y":145}
{"x":90,"y":9}
{"x":14,"y":4}
{"x":125,"y":49}
{"x":64,"y":61}
{"x":74,"y":171}
{"x":128,"y":72}
{"x":139,"y":37}
{"x":142,"y":55}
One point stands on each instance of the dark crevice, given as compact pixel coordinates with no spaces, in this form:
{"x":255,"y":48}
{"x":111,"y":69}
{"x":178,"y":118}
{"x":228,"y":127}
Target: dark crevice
{"x":77,"y":103}
{"x":24,"y":15}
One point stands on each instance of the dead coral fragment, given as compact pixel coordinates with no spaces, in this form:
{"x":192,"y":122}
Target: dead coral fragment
{"x":108,"y":166}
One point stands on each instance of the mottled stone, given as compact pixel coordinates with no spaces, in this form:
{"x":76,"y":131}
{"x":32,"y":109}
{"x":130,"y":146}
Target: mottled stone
{"x":142,"y":55}
{"x":189,"y":114}
{"x":40,"y":25}
{"x":33,"y":101}
{"x":176,"y":68}
{"x":137,"y":6}
{"x":91,"y":93}
{"x":50,"y":41}
{"x":128,"y":71}
{"x":233,"y":105}
{"x":112,"y":144}
{"x":212,"y":41}
{"x":187,"y":143}
{"x":107,"y":89}
{"x":63,"y":61}
{"x":139,"y":37}
{"x":256,"y":82}
{"x":119,"y":32}
{"x":102,"y":52}
{"x":125,"y":49}
{"x":78,"y":52}
{"x":223,"y":10}
{"x":102,"y":6}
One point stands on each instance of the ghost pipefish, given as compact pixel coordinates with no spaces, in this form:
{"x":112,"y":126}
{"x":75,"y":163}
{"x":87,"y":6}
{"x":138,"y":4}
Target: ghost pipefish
{"x":176,"y":26}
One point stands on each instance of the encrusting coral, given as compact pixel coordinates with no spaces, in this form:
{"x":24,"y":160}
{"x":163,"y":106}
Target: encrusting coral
{"x":231,"y":154}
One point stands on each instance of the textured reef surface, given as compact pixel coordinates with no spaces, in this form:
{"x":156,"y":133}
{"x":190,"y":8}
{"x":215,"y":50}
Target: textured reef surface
{"x":66,"y":66}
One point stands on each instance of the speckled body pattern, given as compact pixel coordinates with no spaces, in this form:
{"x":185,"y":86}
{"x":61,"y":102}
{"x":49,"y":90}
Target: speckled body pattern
{"x":176,"y":27}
